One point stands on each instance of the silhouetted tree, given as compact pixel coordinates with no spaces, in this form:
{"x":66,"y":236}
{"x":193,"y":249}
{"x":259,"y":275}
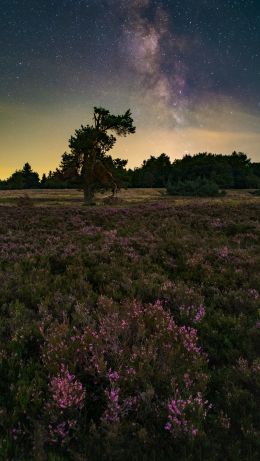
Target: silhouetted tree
{"x":55,"y":180}
{"x":25,"y":178}
{"x":30,"y":178}
{"x":154,"y":172}
{"x":256,"y":169}
{"x":69,"y":169}
{"x":91,"y":143}
{"x":157,"y":170}
{"x":240,"y":165}
{"x":227,"y":171}
{"x":89,"y":166}
{"x":43,"y":180}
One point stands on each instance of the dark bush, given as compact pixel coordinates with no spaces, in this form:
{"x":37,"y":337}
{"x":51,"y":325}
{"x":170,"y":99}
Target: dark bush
{"x":199,"y":187}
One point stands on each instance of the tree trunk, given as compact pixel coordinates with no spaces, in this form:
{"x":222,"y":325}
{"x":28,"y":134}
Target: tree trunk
{"x":88,"y":183}
{"x":88,"y":194}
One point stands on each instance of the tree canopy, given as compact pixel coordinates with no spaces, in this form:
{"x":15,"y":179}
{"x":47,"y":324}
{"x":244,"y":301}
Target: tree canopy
{"x":25,"y":178}
{"x":91,"y":143}
{"x":226,"y":171}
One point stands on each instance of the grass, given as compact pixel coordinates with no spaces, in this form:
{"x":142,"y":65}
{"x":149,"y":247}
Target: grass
{"x":62,"y":197}
{"x":72,"y":197}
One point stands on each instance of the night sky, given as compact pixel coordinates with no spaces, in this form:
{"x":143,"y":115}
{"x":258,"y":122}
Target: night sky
{"x":188,"y":69}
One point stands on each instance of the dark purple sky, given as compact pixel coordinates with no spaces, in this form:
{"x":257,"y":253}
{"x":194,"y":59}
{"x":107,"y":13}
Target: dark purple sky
{"x":188,"y":69}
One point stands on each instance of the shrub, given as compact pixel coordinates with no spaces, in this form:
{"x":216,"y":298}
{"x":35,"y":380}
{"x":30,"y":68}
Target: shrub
{"x":199,"y":187}
{"x":118,"y":359}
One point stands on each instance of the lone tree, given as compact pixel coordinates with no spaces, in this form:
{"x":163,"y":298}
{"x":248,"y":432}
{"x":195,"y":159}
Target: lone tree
{"x":89,"y":146}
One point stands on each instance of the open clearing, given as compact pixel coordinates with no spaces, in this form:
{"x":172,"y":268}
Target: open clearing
{"x":74,"y":197}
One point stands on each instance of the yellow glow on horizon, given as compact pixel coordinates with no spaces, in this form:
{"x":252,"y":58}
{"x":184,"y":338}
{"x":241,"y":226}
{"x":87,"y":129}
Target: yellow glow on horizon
{"x":40,"y":138}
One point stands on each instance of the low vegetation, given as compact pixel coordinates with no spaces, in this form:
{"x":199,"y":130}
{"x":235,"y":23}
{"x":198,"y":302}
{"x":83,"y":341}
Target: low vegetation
{"x":199,"y":187}
{"x":130,"y":332}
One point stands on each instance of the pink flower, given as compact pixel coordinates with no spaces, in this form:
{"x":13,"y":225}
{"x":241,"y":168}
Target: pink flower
{"x":66,"y":391}
{"x":112,"y":413}
{"x":113,"y":375}
{"x":223,"y":252}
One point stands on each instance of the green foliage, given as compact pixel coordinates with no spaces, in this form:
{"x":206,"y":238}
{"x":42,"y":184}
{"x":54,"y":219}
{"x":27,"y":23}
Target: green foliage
{"x":227,"y":171}
{"x":56,"y":180}
{"x":91,"y":143}
{"x":154,"y":172}
{"x":199,"y":187}
{"x":95,"y":141}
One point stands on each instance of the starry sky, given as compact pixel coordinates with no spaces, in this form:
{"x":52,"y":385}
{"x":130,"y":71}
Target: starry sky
{"x":188,"y":69}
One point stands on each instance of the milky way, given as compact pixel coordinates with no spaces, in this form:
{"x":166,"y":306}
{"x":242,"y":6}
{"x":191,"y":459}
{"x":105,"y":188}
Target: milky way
{"x":182,"y":66}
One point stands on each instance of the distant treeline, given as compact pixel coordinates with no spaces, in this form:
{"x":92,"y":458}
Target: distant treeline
{"x":226,"y":171}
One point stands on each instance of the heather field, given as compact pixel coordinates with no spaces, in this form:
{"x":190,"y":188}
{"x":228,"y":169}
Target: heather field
{"x":129,"y":331}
